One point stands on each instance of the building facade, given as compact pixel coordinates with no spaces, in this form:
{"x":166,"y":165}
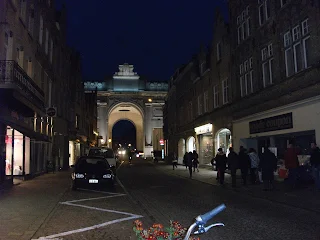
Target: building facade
{"x":126,"y":96}
{"x":263,"y":80}
{"x":35,"y":88}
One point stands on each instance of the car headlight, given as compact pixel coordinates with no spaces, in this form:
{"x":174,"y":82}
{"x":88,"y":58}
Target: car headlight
{"x":123,"y":152}
{"x":79,"y":175}
{"x":107,"y":176}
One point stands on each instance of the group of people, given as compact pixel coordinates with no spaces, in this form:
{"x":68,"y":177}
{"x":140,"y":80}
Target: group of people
{"x":190,"y":160}
{"x":249,"y":163}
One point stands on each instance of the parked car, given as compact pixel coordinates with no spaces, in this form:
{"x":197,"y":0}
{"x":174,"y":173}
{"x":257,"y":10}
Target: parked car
{"x":108,"y":153}
{"x":92,"y":171}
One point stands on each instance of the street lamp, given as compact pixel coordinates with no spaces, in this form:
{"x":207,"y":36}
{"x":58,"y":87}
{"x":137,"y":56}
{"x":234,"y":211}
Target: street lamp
{"x":149,"y":100}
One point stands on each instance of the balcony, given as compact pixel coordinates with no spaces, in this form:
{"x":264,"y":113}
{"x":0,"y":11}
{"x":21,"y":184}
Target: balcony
{"x":13,"y":77}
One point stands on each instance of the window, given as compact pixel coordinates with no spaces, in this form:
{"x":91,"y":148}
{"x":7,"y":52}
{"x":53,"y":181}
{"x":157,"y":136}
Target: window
{"x":51,"y":50}
{"x":23,"y":9}
{"x":264,"y":11}
{"x":215,"y":97}
{"x":31,"y":22}
{"x":190,"y":111}
{"x":267,"y":65}
{"x":199,"y":105}
{"x":206,"y":101}
{"x":297,"y":48}
{"x":225,"y":95}
{"x":30,"y":69}
{"x":203,"y":67}
{"x":20,"y":56}
{"x":243,"y":23}
{"x":47,"y":42}
{"x":283,"y":2}
{"x":246,"y":77}
{"x":41,"y":31}
{"x":218,"y":51}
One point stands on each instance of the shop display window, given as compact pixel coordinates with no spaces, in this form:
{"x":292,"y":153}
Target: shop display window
{"x":27,"y":155}
{"x":9,"y":150}
{"x":18,"y":153}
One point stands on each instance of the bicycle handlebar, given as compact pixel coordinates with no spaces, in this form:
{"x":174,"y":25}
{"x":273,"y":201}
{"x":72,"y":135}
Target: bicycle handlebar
{"x":202,"y":219}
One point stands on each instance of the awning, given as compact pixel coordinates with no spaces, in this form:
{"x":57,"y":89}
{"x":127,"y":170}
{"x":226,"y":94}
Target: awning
{"x":24,"y":129}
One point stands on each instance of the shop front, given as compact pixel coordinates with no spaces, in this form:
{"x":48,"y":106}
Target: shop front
{"x":298,"y":122}
{"x":205,"y":143}
{"x":24,"y":152}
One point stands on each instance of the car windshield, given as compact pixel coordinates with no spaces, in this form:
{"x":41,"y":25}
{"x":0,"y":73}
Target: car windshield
{"x":92,"y":164}
{"x":107,"y":153}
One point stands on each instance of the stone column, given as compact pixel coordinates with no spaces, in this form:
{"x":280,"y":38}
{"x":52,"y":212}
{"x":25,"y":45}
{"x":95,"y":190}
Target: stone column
{"x":102,"y":122}
{"x":148,"y":126}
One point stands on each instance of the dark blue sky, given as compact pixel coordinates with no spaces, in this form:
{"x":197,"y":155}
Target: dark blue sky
{"x":155,"y":36}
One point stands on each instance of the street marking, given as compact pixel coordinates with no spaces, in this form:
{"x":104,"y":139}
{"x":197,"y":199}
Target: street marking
{"x":71,"y":203}
{"x":89,"y":199}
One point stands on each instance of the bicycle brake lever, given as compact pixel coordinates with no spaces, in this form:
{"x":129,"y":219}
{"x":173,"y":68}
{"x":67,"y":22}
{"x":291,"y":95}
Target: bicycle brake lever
{"x":206,"y":229}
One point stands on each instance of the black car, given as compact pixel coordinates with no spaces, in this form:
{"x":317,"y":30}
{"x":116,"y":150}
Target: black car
{"x":92,"y":172}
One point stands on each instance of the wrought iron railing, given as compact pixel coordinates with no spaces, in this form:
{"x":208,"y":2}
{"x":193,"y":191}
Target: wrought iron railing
{"x":12,"y":74}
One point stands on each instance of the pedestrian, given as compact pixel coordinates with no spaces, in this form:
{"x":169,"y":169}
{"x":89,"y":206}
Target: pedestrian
{"x":292,"y":164}
{"x":254,"y":164}
{"x":233,"y":162}
{"x":221,"y":162}
{"x":185,"y":159}
{"x":195,"y":161}
{"x":268,"y":164}
{"x":315,"y":164}
{"x":244,"y":163}
{"x":189,"y":163}
{"x":174,"y":161}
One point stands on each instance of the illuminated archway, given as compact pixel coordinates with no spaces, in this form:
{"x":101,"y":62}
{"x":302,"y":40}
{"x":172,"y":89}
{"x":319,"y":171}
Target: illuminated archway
{"x":223,"y":140}
{"x":181,"y":150}
{"x":130,"y":112}
{"x":191,"y":144}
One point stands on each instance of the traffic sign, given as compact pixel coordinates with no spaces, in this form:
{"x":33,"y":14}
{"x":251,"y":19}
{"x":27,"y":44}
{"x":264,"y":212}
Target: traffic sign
{"x":51,"y":111}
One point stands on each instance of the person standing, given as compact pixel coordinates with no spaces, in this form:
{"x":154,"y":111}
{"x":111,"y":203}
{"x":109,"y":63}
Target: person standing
{"x":185,"y":159}
{"x":221,"y":162}
{"x":233,"y":165}
{"x":268,"y":164}
{"x":254,"y":164}
{"x":315,"y":164}
{"x":292,"y":163}
{"x":244,"y":162}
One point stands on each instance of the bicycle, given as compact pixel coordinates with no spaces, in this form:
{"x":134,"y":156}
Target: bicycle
{"x":176,"y":231}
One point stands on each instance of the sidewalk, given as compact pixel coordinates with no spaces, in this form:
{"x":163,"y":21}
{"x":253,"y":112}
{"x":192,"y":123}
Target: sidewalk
{"x":25,"y":207}
{"x":305,"y":198}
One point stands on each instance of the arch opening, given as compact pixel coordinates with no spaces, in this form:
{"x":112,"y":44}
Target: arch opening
{"x":124,"y":132}
{"x":181,"y":150}
{"x":130,"y":115}
{"x":223,"y":140}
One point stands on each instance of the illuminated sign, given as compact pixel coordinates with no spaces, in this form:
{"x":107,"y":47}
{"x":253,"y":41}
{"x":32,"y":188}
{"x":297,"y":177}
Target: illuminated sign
{"x":161,"y":142}
{"x":203,"y":129}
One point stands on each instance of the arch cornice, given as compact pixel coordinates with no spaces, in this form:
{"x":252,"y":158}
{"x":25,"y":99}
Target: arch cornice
{"x":117,"y":104}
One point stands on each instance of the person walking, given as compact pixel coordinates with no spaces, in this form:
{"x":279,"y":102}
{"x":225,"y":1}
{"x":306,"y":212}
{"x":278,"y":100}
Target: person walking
{"x":268,"y":164}
{"x":292,"y":164}
{"x":174,"y":161}
{"x":244,"y":163}
{"x":185,"y":159}
{"x":190,"y":163}
{"x":221,"y":162}
{"x":195,"y":161}
{"x":315,"y":164}
{"x":254,"y":164}
{"x":233,"y":163}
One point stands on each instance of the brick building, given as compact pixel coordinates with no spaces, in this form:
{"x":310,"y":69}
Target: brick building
{"x":264,"y":84}
{"x":35,"y":74}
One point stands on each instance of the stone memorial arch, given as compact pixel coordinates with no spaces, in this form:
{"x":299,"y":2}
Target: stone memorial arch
{"x":127,"y":96}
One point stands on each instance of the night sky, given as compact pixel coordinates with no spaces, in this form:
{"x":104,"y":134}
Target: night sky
{"x":155,"y":36}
